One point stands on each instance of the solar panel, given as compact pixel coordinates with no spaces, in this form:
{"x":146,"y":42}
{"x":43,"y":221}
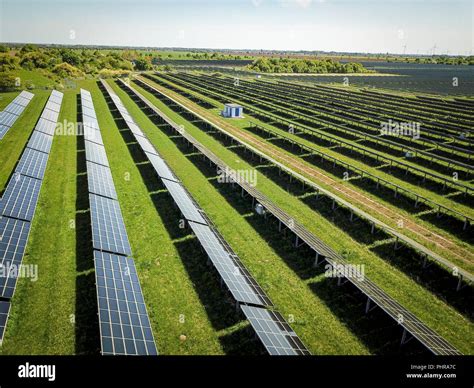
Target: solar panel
{"x":32,"y":163}
{"x":8,"y":118}
{"x":86,"y":111}
{"x":124,"y":324}
{"x":4,"y":311}
{"x":20,"y":197}
{"x":27,"y":95}
{"x":40,"y":142}
{"x":161,"y":167}
{"x":14,"y":109}
{"x":85,"y":94}
{"x":108,"y":229}
{"x":100,"y":180}
{"x":276,"y":335}
{"x":135,"y":129}
{"x":13,"y":239}
{"x":55,"y":98}
{"x":146,"y":145}
{"x":93,"y":135}
{"x":237,"y":279}
{"x":85,"y":103}
{"x":96,"y":153}
{"x":51,"y":105}
{"x":46,"y":126}
{"x":50,"y":115}
{"x":90,"y":123}
{"x":183,"y":200}
{"x":127,"y":118}
{"x":3,"y":130}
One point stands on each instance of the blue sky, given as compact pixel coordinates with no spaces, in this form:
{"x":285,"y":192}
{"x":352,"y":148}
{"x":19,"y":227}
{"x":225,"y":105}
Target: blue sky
{"x":350,"y":25}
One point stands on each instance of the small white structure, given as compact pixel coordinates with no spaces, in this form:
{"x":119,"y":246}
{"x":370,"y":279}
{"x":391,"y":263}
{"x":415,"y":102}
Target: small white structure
{"x":233,"y":111}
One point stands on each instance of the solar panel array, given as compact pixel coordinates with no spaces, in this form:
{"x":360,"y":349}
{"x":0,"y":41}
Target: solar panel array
{"x":18,"y":204}
{"x":410,"y":323}
{"x":4,"y":312}
{"x":13,"y":110}
{"x":240,"y":283}
{"x":124,"y":324}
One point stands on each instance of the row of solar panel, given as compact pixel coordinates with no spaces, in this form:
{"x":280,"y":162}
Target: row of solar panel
{"x":124,"y":324}
{"x":19,"y":202}
{"x":271,"y":328}
{"x":430,"y":339}
{"x":11,"y":113}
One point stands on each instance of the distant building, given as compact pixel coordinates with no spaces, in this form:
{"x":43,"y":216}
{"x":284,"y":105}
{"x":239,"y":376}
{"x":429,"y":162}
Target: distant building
{"x":233,"y":110}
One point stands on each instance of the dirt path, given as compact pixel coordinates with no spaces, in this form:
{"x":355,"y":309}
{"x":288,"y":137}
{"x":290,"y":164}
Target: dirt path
{"x":354,"y":197}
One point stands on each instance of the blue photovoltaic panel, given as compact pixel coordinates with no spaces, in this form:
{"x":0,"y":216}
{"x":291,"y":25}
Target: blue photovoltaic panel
{"x":100,"y":180}
{"x":13,"y":239}
{"x":46,"y":126}
{"x":40,"y":141}
{"x":3,"y":130}
{"x":96,"y":153}
{"x":237,"y":279}
{"x":276,"y":335}
{"x":90,"y":112}
{"x":8,"y":119}
{"x":14,"y":109}
{"x":20,"y":197}
{"x":85,"y":103}
{"x":50,"y":115}
{"x":55,"y":98}
{"x":4,"y":312}
{"x":161,"y":167}
{"x":124,"y":324}
{"x":135,"y":129}
{"x":185,"y":203}
{"x":108,"y":229}
{"x":93,"y":136}
{"x":146,"y":145}
{"x":32,"y":163}
{"x":90,"y":123}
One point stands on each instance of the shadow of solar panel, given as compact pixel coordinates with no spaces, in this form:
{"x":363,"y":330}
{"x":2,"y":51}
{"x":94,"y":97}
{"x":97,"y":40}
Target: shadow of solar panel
{"x":161,"y":167}
{"x":46,"y":126}
{"x":146,"y":145}
{"x":96,"y":153}
{"x":50,"y":115}
{"x":184,"y":202}
{"x":4,"y":312}
{"x":32,"y":163}
{"x":239,"y":282}
{"x":20,"y":197}
{"x":100,"y":180}
{"x":13,"y":239}
{"x":124,"y":324}
{"x":108,"y":229}
{"x":40,"y":141}
{"x":274,"y":333}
